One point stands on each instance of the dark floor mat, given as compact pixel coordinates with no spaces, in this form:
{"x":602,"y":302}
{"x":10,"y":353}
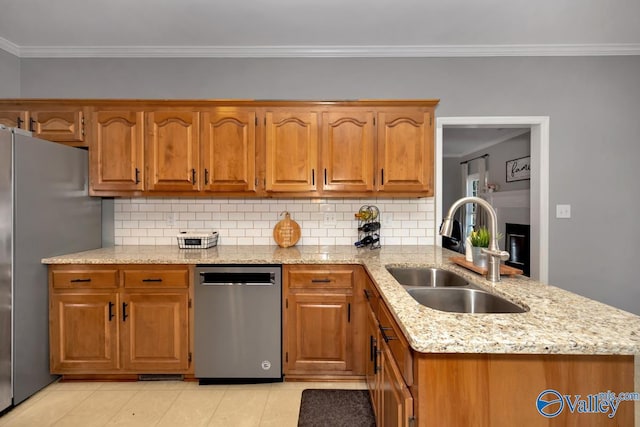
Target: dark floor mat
{"x":336,"y":408}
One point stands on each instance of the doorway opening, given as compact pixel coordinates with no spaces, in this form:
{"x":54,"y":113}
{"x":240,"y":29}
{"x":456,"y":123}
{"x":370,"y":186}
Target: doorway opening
{"x":539,"y":181}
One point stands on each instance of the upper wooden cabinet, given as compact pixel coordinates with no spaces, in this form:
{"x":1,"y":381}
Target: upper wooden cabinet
{"x":292,"y":150}
{"x":405,"y":151}
{"x":51,"y":121}
{"x":243,"y":148}
{"x":60,"y":125}
{"x":173,"y":151}
{"x":117,"y":151}
{"x":229,"y":150}
{"x":14,"y":119}
{"x":348,"y":141}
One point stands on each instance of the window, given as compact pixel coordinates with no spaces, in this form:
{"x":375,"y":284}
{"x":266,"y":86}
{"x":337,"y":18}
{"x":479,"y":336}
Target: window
{"x":473,"y":182}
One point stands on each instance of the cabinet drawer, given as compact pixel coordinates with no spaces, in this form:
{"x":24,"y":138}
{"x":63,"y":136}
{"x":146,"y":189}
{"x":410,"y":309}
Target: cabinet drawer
{"x":321,"y":277}
{"x":156,"y":278}
{"x":397,"y":343}
{"x":85,"y":279}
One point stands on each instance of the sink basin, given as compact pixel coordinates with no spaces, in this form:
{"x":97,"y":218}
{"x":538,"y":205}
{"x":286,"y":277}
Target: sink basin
{"x":463,"y":300}
{"x":425,"y":276}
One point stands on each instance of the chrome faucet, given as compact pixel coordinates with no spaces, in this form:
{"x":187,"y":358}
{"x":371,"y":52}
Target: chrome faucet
{"x":493,"y":251}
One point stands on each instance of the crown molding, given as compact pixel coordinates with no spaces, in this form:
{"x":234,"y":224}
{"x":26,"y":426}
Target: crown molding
{"x":319,"y":51}
{"x":7,"y":46}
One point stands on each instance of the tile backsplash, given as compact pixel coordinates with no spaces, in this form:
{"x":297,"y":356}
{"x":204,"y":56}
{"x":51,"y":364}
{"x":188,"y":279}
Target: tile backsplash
{"x":157,"y":221}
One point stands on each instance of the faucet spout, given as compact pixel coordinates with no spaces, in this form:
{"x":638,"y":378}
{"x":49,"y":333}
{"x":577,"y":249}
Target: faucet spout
{"x":494,"y":252}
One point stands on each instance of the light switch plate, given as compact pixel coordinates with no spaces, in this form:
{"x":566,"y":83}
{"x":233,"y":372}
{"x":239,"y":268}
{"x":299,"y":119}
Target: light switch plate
{"x":563,"y":211}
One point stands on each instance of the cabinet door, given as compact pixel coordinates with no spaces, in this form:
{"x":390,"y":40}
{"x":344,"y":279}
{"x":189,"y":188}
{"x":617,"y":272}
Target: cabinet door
{"x":155,"y":332}
{"x":83,"y":332}
{"x":347,"y":151}
{"x":229,"y":150}
{"x":292,"y":151}
{"x":116,"y":154}
{"x":395,"y":399}
{"x":405,"y":152}
{"x":58,"y":125}
{"x":173,"y":151}
{"x":14,"y":119}
{"x":319,"y":333}
{"x":372,"y":363}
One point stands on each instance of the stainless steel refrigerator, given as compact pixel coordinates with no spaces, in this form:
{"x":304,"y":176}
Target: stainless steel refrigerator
{"x":44,"y":211}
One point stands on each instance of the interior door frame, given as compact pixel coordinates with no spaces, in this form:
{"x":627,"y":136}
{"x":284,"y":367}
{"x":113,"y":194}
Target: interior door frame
{"x":539,"y":126}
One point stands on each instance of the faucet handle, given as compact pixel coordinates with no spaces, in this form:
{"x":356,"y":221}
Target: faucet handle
{"x":503,"y":255}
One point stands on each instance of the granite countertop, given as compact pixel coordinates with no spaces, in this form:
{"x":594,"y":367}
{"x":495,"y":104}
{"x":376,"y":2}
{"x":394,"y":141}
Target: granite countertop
{"x":558,"y":321}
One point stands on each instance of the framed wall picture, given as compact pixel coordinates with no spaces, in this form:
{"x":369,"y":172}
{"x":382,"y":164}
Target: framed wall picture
{"x":519,"y":169}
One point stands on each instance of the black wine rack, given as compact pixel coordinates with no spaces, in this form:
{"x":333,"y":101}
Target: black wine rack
{"x":368,"y":227}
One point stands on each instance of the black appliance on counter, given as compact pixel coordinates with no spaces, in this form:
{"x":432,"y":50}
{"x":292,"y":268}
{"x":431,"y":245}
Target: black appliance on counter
{"x":517,"y":244}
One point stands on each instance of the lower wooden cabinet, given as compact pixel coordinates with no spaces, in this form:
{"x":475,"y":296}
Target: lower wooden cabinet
{"x":372,"y":366}
{"x":84,"y":332}
{"x":320,"y":333}
{"x":154,"y":332}
{"x":323,"y":321}
{"x":395,"y":400}
{"x":120,"y":319}
{"x":390,"y":396}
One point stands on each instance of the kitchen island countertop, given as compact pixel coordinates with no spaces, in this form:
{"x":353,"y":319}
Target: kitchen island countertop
{"x":557,"y":321}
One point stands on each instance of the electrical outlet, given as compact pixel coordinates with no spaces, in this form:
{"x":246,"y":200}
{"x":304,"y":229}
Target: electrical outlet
{"x":330,"y":219}
{"x":386,"y":220}
{"x":170,"y":217}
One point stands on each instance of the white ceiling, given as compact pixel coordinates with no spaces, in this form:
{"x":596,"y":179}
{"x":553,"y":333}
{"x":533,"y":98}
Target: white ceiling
{"x":68,"y":28}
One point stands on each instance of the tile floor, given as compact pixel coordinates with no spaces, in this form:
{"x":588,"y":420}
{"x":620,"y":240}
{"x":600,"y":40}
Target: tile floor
{"x":164,"y":403}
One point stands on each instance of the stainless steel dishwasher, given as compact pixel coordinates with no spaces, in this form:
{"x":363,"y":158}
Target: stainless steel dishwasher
{"x":238,"y":323}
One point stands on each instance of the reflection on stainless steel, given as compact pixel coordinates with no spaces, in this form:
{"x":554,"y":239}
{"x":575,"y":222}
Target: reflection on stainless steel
{"x":464,"y":300}
{"x":238,"y":329}
{"x":426,"y":276}
{"x":44,"y":211}
{"x":494,"y":252}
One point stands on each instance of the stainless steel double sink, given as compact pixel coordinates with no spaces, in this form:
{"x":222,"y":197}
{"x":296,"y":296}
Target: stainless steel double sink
{"x":445,"y":290}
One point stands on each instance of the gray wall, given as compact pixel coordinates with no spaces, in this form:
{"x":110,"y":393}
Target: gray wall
{"x":593,"y":103}
{"x":499,"y":154}
{"x":9,"y":75}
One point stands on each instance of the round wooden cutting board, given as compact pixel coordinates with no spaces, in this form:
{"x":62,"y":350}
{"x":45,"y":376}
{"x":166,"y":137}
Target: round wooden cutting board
{"x":286,"y":232}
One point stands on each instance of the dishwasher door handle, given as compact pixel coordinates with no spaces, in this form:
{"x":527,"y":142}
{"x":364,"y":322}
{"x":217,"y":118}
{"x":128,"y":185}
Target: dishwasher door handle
{"x":235,"y":284}
{"x":208,"y":278}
